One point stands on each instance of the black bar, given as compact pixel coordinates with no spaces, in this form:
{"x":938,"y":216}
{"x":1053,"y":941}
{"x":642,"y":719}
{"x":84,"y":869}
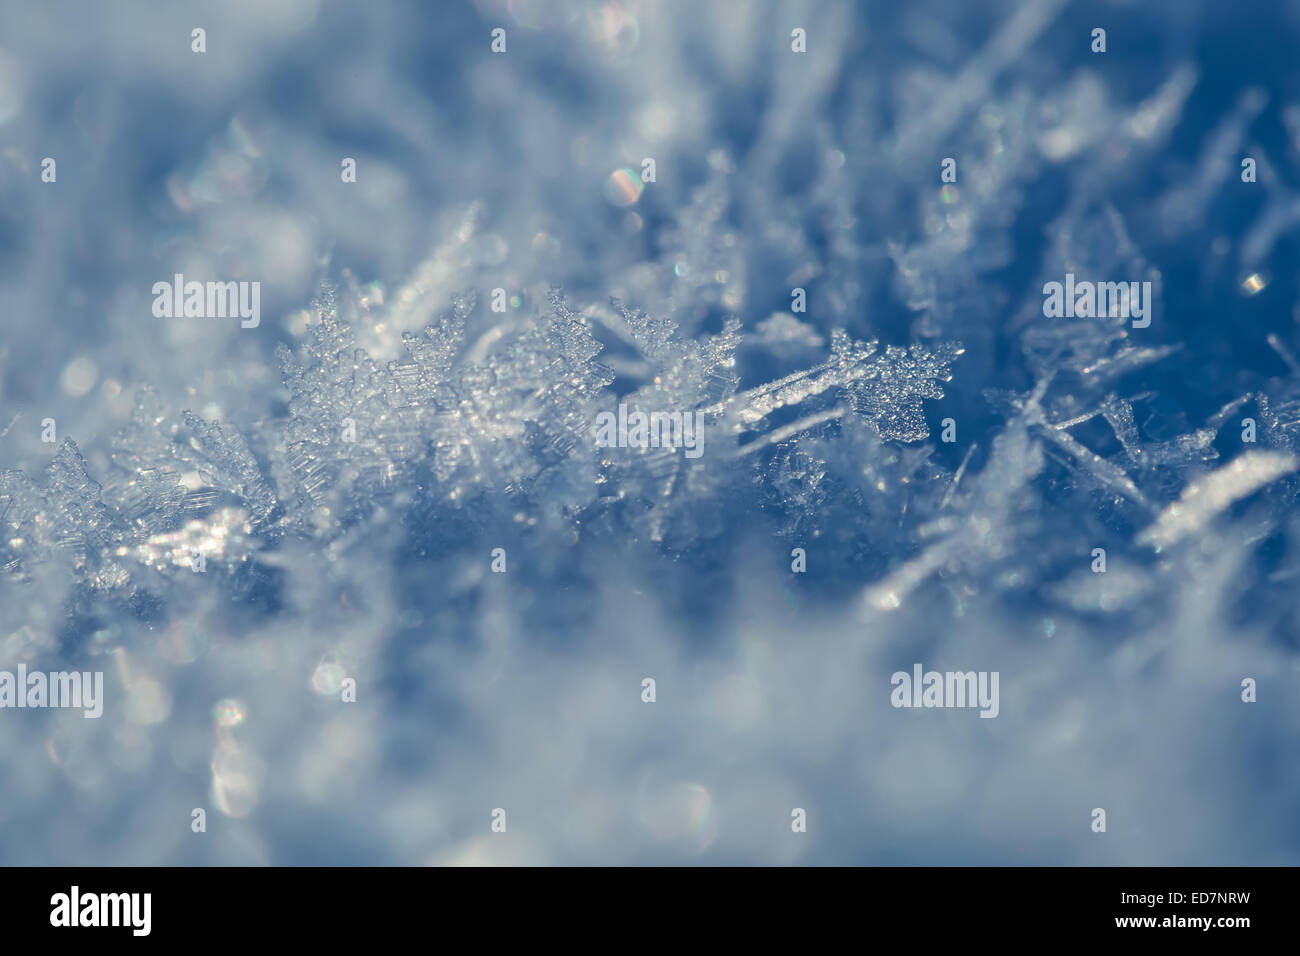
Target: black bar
{"x":308,"y":906}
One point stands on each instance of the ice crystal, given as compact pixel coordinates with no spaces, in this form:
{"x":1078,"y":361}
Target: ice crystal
{"x":64,"y":520}
{"x":1203,"y":500}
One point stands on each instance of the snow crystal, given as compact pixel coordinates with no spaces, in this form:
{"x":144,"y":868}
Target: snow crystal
{"x":1204,"y":499}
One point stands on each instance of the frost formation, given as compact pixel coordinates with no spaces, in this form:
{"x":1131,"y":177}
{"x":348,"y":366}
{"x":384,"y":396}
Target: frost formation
{"x":319,"y":497}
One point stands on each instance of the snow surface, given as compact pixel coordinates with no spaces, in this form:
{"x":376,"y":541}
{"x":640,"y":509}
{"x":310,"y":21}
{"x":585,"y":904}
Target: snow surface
{"x":326,"y":558}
